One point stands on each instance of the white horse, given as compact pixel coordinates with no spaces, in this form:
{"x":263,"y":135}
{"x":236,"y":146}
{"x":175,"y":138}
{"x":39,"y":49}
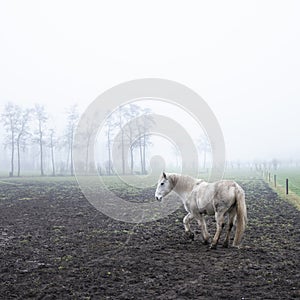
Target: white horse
{"x":221,"y":198}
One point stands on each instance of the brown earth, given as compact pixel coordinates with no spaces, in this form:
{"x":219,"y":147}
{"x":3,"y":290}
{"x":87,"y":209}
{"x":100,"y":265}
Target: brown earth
{"x":55,"y":245}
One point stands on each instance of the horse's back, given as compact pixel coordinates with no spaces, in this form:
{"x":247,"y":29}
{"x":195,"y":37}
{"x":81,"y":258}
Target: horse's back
{"x":211,"y":195}
{"x":227,"y":188}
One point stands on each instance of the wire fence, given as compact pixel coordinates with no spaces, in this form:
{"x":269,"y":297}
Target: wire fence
{"x":288,"y":179}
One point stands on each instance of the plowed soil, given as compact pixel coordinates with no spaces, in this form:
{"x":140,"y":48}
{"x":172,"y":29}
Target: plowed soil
{"x":55,"y":245}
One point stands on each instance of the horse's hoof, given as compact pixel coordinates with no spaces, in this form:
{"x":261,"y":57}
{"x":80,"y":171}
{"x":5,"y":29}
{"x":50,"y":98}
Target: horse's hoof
{"x":189,"y":235}
{"x":192,"y":236}
{"x":213,"y":247}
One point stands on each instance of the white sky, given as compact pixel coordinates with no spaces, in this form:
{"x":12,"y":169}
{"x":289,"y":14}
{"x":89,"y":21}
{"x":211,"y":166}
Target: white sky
{"x":242,"y":57}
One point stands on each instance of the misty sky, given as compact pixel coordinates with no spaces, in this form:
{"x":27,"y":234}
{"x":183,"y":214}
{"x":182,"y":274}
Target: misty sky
{"x":241,"y":57}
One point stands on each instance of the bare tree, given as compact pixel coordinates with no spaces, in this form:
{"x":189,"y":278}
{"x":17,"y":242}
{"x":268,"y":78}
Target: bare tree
{"x":73,"y":117}
{"x":143,"y":126}
{"x":110,"y":125}
{"x":89,"y":134}
{"x":22,"y":132}
{"x":86,"y":135}
{"x":120,"y":121}
{"x":10,"y":118}
{"x":52,"y":144}
{"x":120,"y":124}
{"x":41,"y":117}
{"x":131,"y":113}
{"x":148,"y":121}
{"x":204,"y":146}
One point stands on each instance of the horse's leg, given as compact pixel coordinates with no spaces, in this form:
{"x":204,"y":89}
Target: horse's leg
{"x":202,"y":224}
{"x":230,"y":225}
{"x":186,"y":222}
{"x":220,"y":224}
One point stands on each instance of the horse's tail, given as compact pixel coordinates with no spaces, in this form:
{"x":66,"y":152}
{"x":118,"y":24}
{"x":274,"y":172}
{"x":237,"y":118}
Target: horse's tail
{"x":241,"y":216}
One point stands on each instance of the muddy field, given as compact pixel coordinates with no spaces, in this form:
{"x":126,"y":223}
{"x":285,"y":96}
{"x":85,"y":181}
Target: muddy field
{"x":55,"y":245}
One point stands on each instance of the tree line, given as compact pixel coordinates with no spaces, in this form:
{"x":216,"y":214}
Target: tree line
{"x":33,"y":143}
{"x":29,"y":128}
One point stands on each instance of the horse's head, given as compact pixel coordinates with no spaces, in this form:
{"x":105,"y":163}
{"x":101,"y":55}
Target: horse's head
{"x":164,"y":187}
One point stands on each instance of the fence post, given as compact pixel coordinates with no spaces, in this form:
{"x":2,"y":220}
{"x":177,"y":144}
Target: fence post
{"x":275,"y":180}
{"x":287,"y":186}
{"x":269,"y":177}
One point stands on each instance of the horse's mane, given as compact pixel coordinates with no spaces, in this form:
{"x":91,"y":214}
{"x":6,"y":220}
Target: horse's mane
{"x":182,"y":182}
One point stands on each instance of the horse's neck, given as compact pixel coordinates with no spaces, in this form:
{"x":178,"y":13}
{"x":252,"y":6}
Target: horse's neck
{"x":183,"y":184}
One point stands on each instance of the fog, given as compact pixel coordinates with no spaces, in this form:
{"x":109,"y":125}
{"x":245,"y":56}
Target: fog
{"x":241,"y":57}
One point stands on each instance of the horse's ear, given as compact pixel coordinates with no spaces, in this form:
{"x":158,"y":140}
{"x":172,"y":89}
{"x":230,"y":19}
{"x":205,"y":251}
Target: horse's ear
{"x":164,"y":175}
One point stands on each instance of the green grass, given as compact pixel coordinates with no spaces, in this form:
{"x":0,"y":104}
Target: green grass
{"x":293,"y":175}
{"x":294,"y":179}
{"x":138,"y":180}
{"x":37,"y":179}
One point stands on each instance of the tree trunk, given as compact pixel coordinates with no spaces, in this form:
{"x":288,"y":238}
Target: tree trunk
{"x":19,"y":159}
{"x":71,"y":156}
{"x":87,"y":155}
{"x":41,"y":150}
{"x":141,"y":156}
{"x":144,"y":154}
{"x":52,"y":157}
{"x":109,"y":153}
{"x":122,"y":140}
{"x":68,"y":159}
{"x":131,"y":148}
{"x":11,"y":173}
{"x":123,"y":154}
{"x":42,"y":167}
{"x":53,"y":163}
{"x":72,"y":165}
{"x":131,"y":159}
